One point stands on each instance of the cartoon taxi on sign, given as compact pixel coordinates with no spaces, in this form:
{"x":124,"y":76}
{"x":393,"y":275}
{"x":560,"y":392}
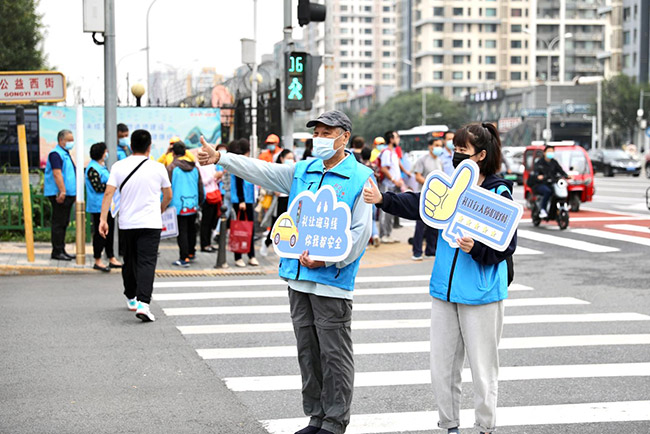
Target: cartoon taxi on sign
{"x":285,"y":230}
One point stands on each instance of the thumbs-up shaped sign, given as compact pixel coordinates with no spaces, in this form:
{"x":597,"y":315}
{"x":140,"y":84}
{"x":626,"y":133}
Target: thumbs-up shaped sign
{"x":441,"y":198}
{"x":459,"y":208}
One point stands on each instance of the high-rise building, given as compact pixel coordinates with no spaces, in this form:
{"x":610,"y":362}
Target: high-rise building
{"x":455,"y":47}
{"x":364,"y":51}
{"x":636,"y":39}
{"x":585,"y":36}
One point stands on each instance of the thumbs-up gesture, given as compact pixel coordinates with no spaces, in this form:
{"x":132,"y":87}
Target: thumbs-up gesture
{"x":441,"y":199}
{"x":372,"y":194}
{"x":207,"y":154}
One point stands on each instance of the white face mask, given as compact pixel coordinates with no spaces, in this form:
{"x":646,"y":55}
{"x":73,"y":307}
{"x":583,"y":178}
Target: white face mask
{"x":324,"y":147}
{"x":288,"y":161}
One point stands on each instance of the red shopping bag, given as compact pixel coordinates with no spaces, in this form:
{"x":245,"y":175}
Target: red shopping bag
{"x":241,"y":236}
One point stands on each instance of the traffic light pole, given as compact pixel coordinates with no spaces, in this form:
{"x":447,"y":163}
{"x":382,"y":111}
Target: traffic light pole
{"x":287,"y":116}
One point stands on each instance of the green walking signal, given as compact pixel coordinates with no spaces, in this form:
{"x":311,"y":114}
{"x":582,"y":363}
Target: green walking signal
{"x":301,"y":77}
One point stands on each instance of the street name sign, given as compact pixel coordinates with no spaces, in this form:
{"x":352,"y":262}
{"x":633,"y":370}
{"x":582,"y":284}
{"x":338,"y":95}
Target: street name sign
{"x":23,"y":87}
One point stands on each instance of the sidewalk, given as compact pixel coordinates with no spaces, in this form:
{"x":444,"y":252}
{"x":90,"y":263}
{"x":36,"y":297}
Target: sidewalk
{"x":13,"y":259}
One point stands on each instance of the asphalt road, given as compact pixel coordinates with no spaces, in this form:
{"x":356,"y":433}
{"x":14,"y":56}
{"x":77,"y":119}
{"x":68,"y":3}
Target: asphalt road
{"x":575,"y":353}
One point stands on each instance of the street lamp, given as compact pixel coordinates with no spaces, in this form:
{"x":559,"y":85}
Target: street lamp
{"x":147,"y":47}
{"x":549,"y":46}
{"x":137,"y":90}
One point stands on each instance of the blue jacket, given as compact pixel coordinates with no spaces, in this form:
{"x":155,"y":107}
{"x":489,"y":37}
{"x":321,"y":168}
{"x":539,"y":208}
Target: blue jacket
{"x":477,"y":277}
{"x":348,"y":179}
{"x":187,"y":188}
{"x":94,"y":198}
{"x":249,"y":191}
{"x":67,"y":171}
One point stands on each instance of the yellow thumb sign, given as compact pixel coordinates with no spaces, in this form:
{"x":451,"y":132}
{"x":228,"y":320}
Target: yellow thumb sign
{"x":441,"y":199}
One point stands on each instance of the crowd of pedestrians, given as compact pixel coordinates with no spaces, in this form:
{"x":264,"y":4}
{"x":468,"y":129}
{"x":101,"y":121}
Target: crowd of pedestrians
{"x":468,"y":284}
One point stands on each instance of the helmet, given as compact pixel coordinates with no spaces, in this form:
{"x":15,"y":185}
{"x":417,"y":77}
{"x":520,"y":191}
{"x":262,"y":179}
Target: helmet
{"x":272,"y":138}
{"x":174,"y":140}
{"x":379,"y":140}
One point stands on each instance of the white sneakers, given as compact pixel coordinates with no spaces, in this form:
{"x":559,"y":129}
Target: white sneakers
{"x":144,"y":313}
{"x":253,"y":262}
{"x":542,"y":213}
{"x":132,"y":304}
{"x":388,"y":240}
{"x":240,"y":263}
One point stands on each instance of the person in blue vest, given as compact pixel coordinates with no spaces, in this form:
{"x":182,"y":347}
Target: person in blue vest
{"x":242,"y":196}
{"x":96,"y":177}
{"x":123,"y":148}
{"x":468,"y":287}
{"x":320,"y":293}
{"x":60,"y":187}
{"x":187,"y":189}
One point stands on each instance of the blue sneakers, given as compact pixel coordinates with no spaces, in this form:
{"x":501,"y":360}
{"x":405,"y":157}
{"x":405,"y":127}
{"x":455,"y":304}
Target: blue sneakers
{"x":181,"y":263}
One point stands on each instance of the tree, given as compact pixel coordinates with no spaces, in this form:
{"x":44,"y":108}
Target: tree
{"x":404,"y":111}
{"x":620,"y":103}
{"x":20,"y":36}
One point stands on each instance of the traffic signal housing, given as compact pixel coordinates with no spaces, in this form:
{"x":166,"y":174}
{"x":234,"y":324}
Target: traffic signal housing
{"x":301,"y":79}
{"x":310,"y":12}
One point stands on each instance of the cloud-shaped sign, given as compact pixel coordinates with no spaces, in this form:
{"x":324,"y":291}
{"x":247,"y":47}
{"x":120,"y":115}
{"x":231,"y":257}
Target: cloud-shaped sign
{"x":317,"y":223}
{"x":459,"y":207}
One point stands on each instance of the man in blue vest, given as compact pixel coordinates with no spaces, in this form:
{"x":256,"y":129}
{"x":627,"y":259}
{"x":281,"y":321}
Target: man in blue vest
{"x":60,"y":187}
{"x":123,"y":148}
{"x":320,"y":293}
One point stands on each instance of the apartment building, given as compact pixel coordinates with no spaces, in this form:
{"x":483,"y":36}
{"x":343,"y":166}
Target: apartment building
{"x":456,"y":47}
{"x":636,"y":39}
{"x":364,"y":50}
{"x":586,"y":39}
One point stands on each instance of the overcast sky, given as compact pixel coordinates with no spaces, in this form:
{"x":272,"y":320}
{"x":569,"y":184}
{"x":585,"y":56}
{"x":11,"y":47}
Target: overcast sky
{"x":183,"y":34}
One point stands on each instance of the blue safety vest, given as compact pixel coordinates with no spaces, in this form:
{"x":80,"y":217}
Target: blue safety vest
{"x":67,"y":171}
{"x":347,"y":179}
{"x":94,"y":198}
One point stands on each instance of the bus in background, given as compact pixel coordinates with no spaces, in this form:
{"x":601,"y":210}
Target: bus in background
{"x":416,"y":138}
{"x":299,"y":140}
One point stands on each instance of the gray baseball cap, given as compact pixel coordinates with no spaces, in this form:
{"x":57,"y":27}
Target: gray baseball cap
{"x":332,"y":118}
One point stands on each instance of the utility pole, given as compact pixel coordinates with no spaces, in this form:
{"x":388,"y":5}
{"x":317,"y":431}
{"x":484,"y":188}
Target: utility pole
{"x":329,"y":58}
{"x":253,"y":139}
{"x":287,"y":42}
{"x":110,"y":83}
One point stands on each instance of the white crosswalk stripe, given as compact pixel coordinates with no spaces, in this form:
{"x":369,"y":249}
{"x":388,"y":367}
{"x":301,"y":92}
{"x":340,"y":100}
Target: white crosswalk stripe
{"x":591,"y":412}
{"x":359,"y":307}
{"x":632,"y":228}
{"x":401,"y":378}
{"x":239,"y":343}
{"x":413,"y":323}
{"x":565,"y":242}
{"x":613,"y":236}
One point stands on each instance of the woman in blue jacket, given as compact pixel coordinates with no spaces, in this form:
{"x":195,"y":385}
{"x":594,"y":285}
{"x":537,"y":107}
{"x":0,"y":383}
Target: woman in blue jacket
{"x":242,"y":194}
{"x":96,"y":177}
{"x":468,"y":286}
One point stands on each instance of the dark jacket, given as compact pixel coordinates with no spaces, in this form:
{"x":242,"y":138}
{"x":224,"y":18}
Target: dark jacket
{"x":550,"y":169}
{"x":477,"y":277}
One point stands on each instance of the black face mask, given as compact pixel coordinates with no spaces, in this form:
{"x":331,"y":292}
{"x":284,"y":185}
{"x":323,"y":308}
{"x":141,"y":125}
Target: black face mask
{"x":458,"y":158}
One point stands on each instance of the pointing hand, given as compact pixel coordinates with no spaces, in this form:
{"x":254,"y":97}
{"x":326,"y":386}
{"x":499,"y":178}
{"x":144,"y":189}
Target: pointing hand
{"x":441,"y":199}
{"x":207,"y":154}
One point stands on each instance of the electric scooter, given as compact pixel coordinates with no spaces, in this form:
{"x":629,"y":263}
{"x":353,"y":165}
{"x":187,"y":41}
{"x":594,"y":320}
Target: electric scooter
{"x":558,"y":207}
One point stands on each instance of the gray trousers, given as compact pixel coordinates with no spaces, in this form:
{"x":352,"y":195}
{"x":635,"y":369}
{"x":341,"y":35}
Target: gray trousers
{"x":386,"y":220}
{"x":456,"y":329}
{"x":324,"y":339}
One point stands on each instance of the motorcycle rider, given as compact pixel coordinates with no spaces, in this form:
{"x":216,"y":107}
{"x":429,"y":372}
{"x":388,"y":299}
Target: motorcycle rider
{"x":547,"y":169}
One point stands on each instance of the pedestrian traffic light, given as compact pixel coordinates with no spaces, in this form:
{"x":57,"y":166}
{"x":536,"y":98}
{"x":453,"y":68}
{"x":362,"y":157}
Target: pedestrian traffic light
{"x":308,"y":12}
{"x":301,"y":79}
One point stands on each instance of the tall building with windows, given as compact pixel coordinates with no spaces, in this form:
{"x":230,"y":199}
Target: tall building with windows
{"x":588,"y":43}
{"x":636,"y":39}
{"x":364,"y":52}
{"x":454,"y":47}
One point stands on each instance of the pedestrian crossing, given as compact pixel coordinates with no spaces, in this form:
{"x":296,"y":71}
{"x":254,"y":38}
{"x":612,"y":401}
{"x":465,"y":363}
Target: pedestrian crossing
{"x":612,"y":238}
{"x":246,"y":335}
